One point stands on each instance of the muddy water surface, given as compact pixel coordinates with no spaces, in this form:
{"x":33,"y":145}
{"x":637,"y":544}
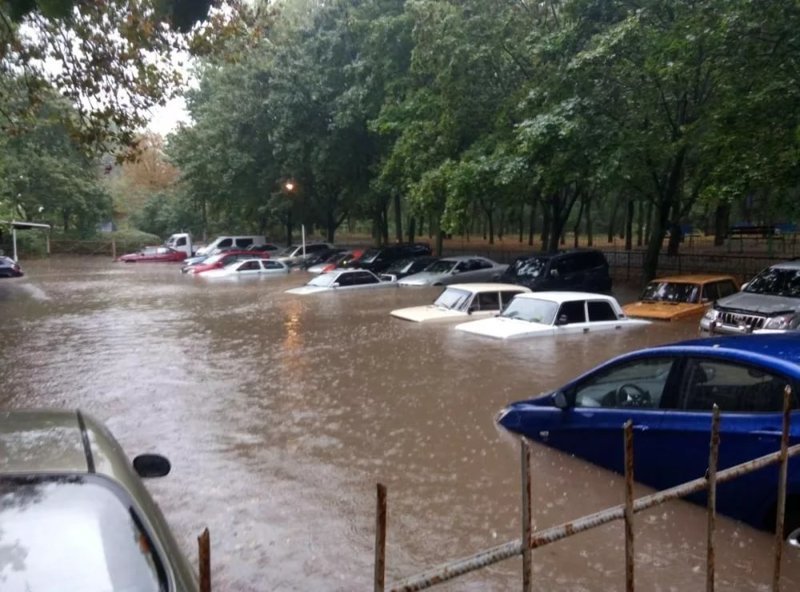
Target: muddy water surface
{"x":280,"y":413}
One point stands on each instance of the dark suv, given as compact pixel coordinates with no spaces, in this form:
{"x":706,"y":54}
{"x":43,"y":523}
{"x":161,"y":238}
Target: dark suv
{"x":583,"y":270}
{"x":379,"y":259}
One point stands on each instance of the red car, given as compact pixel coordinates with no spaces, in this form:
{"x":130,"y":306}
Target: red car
{"x":154,"y":254}
{"x":222,"y":259}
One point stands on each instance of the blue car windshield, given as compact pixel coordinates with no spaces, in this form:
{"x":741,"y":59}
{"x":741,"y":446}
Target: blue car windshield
{"x":777,"y":282}
{"x":73,"y":533}
{"x":532,"y":310}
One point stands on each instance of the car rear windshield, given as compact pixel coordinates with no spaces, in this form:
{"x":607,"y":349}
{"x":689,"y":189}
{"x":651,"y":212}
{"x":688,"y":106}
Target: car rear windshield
{"x":528,"y":267}
{"x":73,"y":533}
{"x":671,"y":292}
{"x":776,"y":281}
{"x":370,"y":255}
{"x":442,"y":266}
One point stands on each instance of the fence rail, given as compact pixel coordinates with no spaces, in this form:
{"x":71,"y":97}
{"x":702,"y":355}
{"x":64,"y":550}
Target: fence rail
{"x":530,"y":541}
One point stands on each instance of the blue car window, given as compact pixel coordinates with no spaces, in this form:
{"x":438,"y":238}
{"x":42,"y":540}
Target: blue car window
{"x":641,"y":383}
{"x":733,"y":387}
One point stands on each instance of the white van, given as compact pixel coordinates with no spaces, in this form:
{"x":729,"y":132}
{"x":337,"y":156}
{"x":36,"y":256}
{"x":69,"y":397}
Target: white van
{"x":232,"y":242}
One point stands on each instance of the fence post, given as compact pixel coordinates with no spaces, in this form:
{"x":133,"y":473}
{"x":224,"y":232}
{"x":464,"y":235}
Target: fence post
{"x":780,"y":510}
{"x":713,"y":458}
{"x":380,"y":539}
{"x":629,"y":556}
{"x":527,"y":517}
{"x":114,"y":249}
{"x":204,"y":560}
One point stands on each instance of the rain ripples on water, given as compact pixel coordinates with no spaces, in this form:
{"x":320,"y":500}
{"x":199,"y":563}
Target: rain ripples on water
{"x":280,"y":413}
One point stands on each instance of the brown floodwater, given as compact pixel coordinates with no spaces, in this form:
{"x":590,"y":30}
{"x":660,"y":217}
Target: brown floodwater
{"x":280,"y":413}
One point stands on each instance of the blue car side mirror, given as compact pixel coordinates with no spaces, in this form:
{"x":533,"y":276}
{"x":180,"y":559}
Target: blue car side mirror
{"x":794,"y":539}
{"x":560,"y":400}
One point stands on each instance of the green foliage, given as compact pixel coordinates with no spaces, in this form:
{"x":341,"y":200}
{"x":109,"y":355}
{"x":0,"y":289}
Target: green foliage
{"x":164,"y":214}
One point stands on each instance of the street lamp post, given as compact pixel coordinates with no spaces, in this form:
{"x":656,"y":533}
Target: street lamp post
{"x":290,"y":187}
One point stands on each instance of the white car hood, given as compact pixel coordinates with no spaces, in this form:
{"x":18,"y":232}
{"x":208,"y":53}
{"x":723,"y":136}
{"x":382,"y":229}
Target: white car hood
{"x":505,"y":328}
{"x":420,"y":314}
{"x":303,"y":290}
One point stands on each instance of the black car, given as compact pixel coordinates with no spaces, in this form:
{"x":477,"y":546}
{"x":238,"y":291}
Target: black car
{"x":582,"y":270}
{"x":9,"y":268}
{"x":404,"y":267}
{"x":378,"y":259}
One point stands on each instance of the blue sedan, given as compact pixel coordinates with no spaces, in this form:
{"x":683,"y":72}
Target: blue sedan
{"x":668,"y":392}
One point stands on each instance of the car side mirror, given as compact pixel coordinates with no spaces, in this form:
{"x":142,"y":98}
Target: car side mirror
{"x":562,"y":320}
{"x":151,"y":465}
{"x":744,"y":285}
{"x":554,"y":273}
{"x":794,"y":539}
{"x":560,"y":400}
{"x":335,"y":285}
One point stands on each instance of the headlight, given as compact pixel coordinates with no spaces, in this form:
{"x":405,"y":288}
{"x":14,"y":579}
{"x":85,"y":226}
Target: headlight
{"x":780,"y":322}
{"x":711,"y":315}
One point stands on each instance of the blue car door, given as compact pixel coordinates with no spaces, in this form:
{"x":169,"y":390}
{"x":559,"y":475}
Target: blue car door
{"x":592,"y":426}
{"x":750,"y":400}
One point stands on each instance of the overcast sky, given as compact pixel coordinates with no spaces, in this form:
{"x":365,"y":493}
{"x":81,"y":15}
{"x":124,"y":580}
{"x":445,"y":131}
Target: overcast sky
{"x":165,"y":119}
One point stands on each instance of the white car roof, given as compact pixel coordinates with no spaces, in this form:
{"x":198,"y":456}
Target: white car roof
{"x":561,"y":297}
{"x":488,"y":287}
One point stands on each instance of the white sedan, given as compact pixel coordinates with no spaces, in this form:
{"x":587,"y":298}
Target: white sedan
{"x":553,"y":313}
{"x":248,"y":268}
{"x":343,"y":279}
{"x":460,"y":301}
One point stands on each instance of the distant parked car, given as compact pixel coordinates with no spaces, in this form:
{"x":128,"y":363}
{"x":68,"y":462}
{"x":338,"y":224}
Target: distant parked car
{"x":342,"y":280}
{"x":681,"y":296}
{"x":410,"y":266}
{"x":553,"y":313}
{"x":9,"y":268}
{"x":379,"y":259}
{"x":453,"y":270}
{"x":463,"y":301}
{"x":770,"y":302}
{"x":294,"y":255}
{"x":268,"y":249}
{"x":220,"y":260}
{"x":154,"y":255}
{"x":330,"y":261}
{"x":668,"y":393}
{"x":232,"y":242}
{"x":579,"y":270}
{"x":249,"y":268}
{"x":75,"y":514}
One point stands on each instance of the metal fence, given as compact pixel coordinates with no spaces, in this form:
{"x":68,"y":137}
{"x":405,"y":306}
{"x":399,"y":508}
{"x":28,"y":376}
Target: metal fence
{"x":531,"y":540}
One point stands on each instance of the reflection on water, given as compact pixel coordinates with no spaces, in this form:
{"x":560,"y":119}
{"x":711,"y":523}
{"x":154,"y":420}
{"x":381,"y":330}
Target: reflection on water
{"x":281,"y":412}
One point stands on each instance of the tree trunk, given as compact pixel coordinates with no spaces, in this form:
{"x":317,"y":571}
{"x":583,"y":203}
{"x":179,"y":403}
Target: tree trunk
{"x":576,"y":230}
{"x":289,"y":227}
{"x":545,"y":226}
{"x":532,"y":223}
{"x":612,"y":219}
{"x":521,"y":222}
{"x":398,"y":218}
{"x":639,"y":224}
{"x":490,"y":223}
{"x":629,"y":226}
{"x":412,"y":227}
{"x":721,"y":223}
{"x":589,"y":234}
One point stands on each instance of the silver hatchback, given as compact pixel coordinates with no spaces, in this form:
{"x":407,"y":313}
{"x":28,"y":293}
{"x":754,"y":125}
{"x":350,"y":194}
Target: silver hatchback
{"x":75,"y":514}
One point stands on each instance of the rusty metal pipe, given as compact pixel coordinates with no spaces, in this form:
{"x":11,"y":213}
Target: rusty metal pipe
{"x":713,"y":459}
{"x":780,"y":508}
{"x":629,"y":557}
{"x":380,"y":539}
{"x":527,"y":517}
{"x":204,"y":560}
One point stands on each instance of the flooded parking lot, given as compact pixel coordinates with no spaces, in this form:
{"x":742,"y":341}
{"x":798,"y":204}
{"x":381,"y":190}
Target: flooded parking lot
{"x":280,"y":413}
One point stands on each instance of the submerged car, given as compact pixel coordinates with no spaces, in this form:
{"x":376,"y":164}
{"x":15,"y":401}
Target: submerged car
{"x":75,"y":514}
{"x":155,"y":255}
{"x":343,"y":279}
{"x":220,"y":260}
{"x":461,"y":301}
{"x":378,"y":259}
{"x":668,"y":393}
{"x":410,"y":266}
{"x":678,"y":297}
{"x":295,"y":255}
{"x":9,"y":268}
{"x":580,"y":270}
{"x":452,"y":270}
{"x":553,"y":313}
{"x":768,"y":303}
{"x":249,"y":267}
